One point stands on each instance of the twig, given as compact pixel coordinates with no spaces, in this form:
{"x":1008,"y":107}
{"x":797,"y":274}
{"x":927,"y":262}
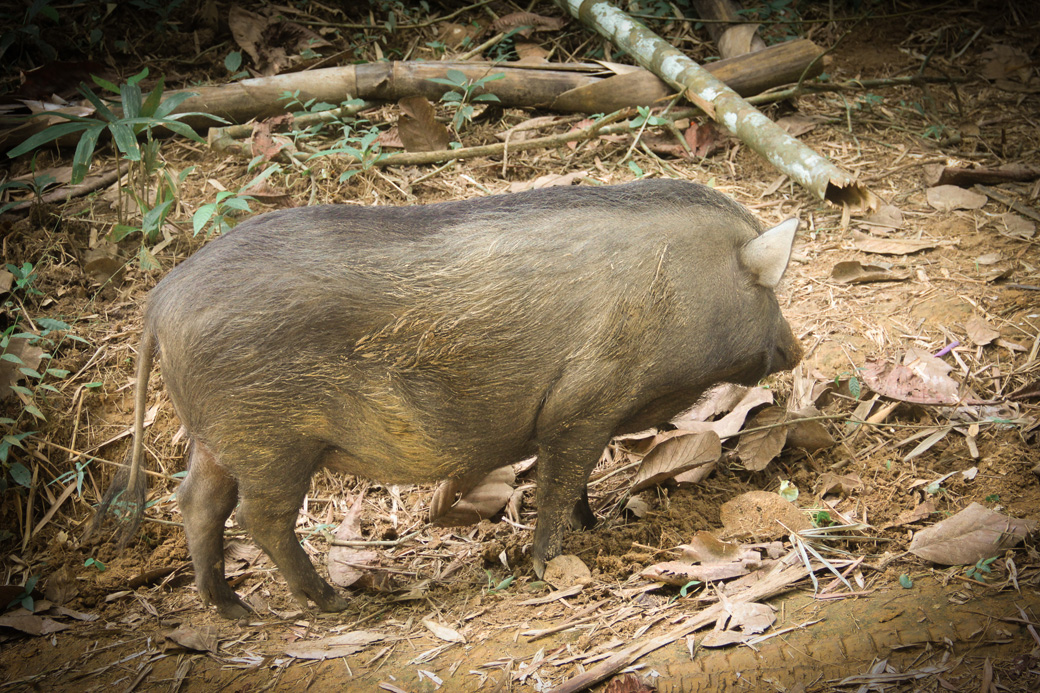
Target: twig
{"x":849,"y":85}
{"x":93,"y":458}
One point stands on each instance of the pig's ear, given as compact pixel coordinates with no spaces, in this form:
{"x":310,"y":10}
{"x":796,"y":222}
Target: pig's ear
{"x":767,"y":256}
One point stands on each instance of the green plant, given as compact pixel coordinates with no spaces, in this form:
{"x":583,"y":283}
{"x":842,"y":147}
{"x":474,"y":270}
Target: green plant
{"x":95,"y":563}
{"x":25,"y":597}
{"x":24,"y":356}
{"x":218,"y":215}
{"x":233,"y":63}
{"x":150,"y":184}
{"x":981,"y":569}
{"x":821,"y":518}
{"x":463,"y":94}
{"x":361,"y":146}
{"x":497,"y":587}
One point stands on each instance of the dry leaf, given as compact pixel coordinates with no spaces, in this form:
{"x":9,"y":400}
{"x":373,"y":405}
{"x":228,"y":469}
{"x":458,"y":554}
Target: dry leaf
{"x":750,"y":617}
{"x":979,"y":331}
{"x":680,"y":573}
{"x":334,"y":646}
{"x":530,"y":53}
{"x":855,"y":272}
{"x":922,"y":512}
{"x":798,"y":124}
{"x":675,"y":456}
{"x":947,"y":198}
{"x":30,"y":624}
{"x":1017,"y":226}
{"x":566,"y":571}
{"x":972,"y":535}
{"x":703,"y":139}
{"x":548,"y":181}
{"x":808,"y":435}
{"x":479,"y":502}
{"x":637,"y":506}
{"x":10,"y":374}
{"x":705,"y":547}
{"x":758,"y":448}
{"x":839,"y":484}
{"x":418,"y":127}
{"x":348,"y":564}
{"x":921,"y":378}
{"x":888,"y":246}
{"x":1006,"y":62}
{"x":530,"y":22}
{"x":887,"y":216}
{"x":201,"y":639}
{"x":443,"y":632}
{"x":627,"y":683}
{"x":729,"y":425}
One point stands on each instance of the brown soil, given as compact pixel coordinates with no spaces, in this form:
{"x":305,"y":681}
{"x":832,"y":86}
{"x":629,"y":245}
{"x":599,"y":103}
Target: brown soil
{"x":941,"y":629}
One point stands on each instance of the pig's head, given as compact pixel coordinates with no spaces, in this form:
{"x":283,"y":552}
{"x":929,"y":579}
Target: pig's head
{"x":763,"y":336}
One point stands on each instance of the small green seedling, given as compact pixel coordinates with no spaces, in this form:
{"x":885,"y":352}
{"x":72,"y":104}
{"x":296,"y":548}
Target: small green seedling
{"x":463,"y":94}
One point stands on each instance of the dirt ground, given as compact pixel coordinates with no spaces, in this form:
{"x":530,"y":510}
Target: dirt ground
{"x":459,"y":608}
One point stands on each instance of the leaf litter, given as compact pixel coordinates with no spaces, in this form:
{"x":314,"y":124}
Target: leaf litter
{"x":846,"y":327}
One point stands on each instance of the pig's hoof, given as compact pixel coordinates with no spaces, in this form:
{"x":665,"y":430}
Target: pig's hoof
{"x":233,"y":610}
{"x":539,"y":566}
{"x":335,"y":603}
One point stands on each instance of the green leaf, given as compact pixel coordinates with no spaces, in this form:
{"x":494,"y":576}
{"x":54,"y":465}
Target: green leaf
{"x":450,"y":96}
{"x":441,"y":80}
{"x":170,"y":104}
{"x":21,"y":475}
{"x":202,"y":216}
{"x":52,"y":133}
{"x":239,"y":203}
{"x":105,"y":84}
{"x":147,"y":260}
{"x":905,"y":582}
{"x":96,"y":383}
{"x":121,"y":231}
{"x":154,"y":217}
{"x":102,"y":108}
{"x":13,"y":358}
{"x":85,"y":153}
{"x":125,"y":140}
{"x":52,"y":324}
{"x":48,"y":388}
{"x":151,"y":104}
{"x":21,"y":390}
{"x":487,"y":97}
{"x":130,"y":94}
{"x":31,"y":408}
{"x":457,"y":77}
{"x":233,"y":61}
{"x":29,"y":372}
{"x":181,"y":129}
{"x":138,"y":77}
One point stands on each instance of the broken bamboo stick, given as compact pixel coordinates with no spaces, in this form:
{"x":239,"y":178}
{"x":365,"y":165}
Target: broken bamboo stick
{"x":811,"y":170}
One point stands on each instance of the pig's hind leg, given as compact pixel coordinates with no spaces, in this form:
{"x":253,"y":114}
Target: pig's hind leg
{"x":270,"y":505}
{"x":206,"y":498}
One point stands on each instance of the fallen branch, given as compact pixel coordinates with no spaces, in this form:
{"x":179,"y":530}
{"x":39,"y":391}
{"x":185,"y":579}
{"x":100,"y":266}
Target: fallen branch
{"x":562,"y":87}
{"x":803,"y":165}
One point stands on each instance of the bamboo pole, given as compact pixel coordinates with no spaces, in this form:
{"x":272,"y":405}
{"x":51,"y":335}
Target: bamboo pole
{"x":811,"y":170}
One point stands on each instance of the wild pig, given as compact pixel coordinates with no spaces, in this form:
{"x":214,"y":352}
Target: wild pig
{"x":414,"y":344}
